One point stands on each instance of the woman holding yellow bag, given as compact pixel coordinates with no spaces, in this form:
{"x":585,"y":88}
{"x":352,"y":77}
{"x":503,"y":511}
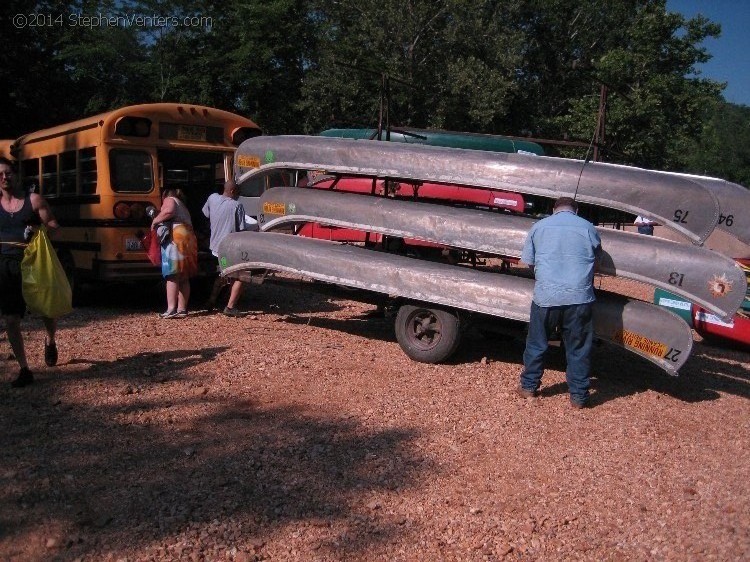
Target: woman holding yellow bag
{"x":18,"y":211}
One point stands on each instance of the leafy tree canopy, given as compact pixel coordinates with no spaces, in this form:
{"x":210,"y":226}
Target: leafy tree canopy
{"x":518,"y":67}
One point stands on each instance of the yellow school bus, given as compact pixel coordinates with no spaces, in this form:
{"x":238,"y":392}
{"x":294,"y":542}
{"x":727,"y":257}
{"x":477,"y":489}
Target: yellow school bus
{"x":102,"y":173}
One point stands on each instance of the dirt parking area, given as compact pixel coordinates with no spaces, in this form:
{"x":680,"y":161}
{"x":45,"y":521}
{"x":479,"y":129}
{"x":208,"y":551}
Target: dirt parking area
{"x":302,"y":432}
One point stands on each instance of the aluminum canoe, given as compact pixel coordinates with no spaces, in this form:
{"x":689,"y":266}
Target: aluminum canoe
{"x":700,"y":275}
{"x":647,"y":330}
{"x":676,"y":202}
{"x":734,"y":204}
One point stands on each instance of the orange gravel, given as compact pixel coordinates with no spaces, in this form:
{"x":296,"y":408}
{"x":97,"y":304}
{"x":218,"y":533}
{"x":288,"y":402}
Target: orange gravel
{"x":302,"y":432}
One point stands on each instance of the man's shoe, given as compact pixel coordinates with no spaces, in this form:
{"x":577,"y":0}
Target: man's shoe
{"x":523,"y":393}
{"x":233,"y":312}
{"x":50,"y":353}
{"x":25,"y":378}
{"x":578,"y":405}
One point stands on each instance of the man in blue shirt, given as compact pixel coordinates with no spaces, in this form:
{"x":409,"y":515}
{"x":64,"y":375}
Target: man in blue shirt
{"x":226,"y":215}
{"x":562,"y":250}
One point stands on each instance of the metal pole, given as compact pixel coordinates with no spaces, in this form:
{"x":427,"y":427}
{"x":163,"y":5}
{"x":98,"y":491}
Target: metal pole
{"x":600,"y":122}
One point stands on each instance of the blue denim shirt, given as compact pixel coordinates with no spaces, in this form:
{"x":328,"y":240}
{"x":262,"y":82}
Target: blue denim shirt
{"x":563,"y":250}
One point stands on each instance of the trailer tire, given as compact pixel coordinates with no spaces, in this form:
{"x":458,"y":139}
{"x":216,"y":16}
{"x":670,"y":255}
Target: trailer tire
{"x":427,"y":335}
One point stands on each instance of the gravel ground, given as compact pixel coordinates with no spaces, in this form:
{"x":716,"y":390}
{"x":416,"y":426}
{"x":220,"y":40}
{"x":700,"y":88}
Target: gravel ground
{"x":302,"y":432}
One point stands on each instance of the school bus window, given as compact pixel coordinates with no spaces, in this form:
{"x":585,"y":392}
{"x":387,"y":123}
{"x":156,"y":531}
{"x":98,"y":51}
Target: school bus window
{"x":49,"y":175}
{"x":30,"y":174}
{"x":178,"y":179}
{"x":68,"y":173}
{"x":205,"y":174}
{"x":87,"y":162}
{"x":133,"y":126}
{"x":196,"y":171}
{"x":130,"y":170}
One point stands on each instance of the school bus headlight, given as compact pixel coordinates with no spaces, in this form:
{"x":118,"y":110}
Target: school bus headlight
{"x":122,"y":210}
{"x":241,"y":134}
{"x":133,"y":127}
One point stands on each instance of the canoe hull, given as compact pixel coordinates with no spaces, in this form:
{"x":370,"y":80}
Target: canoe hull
{"x":676,"y":202}
{"x":714,"y":281}
{"x":649,"y":331}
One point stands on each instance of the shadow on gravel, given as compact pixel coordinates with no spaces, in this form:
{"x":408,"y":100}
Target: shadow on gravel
{"x":617,"y":372}
{"x":135,"y":472}
{"x":372,"y":328}
{"x":113,"y":300}
{"x":145,"y":367}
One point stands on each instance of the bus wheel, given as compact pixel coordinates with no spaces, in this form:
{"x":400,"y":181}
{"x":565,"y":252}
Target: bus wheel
{"x":427,"y":335}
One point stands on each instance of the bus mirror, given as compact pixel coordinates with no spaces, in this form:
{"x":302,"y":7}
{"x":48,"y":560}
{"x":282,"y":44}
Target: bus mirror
{"x":241,"y":134}
{"x":133,"y":127}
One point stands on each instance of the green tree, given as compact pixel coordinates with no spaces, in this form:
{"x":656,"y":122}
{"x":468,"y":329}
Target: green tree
{"x":452,"y":61}
{"x":249,"y":60}
{"x":35,"y":81}
{"x":723,"y":149}
{"x":105,"y":61}
{"x":649,"y":62}
{"x":495,"y":66}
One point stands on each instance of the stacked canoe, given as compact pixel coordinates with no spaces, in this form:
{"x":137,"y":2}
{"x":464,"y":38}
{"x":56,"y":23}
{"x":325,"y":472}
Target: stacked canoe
{"x":689,"y":205}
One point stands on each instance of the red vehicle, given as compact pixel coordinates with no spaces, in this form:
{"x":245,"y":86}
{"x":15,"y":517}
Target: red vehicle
{"x":433,"y":192}
{"x":737,"y":330}
{"x":425,"y":191}
{"x":712,"y":327}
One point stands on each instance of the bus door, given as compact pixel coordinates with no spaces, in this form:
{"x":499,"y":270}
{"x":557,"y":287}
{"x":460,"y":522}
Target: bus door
{"x":198,"y":174}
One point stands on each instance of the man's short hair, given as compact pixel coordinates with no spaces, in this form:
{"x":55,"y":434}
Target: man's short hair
{"x":565,"y":203}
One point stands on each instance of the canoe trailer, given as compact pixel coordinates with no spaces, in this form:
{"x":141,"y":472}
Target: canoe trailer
{"x":435,"y":300}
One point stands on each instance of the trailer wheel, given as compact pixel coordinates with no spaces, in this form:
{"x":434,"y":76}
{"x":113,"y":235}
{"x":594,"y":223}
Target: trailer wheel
{"x":428,"y":335}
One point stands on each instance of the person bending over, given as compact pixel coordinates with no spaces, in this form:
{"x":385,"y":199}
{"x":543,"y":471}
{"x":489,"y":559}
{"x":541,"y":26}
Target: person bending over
{"x":226,"y":215}
{"x":562,"y":250}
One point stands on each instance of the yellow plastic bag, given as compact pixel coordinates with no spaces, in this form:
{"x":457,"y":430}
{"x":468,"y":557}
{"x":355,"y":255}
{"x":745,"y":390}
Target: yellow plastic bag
{"x":44,"y":284}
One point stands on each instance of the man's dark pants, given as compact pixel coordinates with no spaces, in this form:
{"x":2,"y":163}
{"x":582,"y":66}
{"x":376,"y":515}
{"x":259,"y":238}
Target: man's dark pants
{"x":575,"y":322}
